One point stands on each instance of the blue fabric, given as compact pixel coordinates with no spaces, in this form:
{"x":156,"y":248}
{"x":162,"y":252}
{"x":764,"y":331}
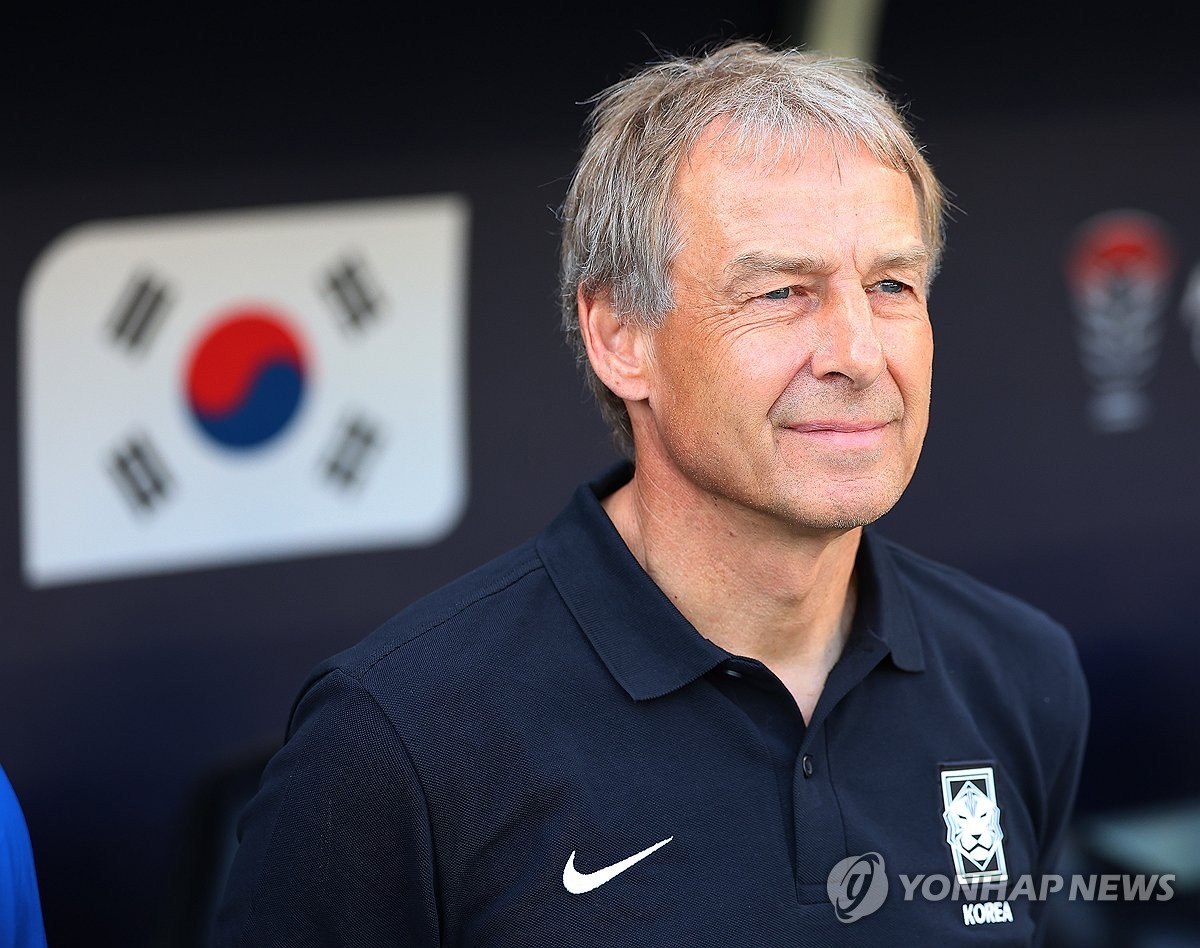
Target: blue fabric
{"x":20,"y":909}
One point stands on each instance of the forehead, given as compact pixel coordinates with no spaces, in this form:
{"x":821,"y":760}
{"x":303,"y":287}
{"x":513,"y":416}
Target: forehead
{"x":740,"y":186}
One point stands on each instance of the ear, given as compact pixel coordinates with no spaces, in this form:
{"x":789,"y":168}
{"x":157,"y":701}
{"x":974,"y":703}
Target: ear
{"x":616,"y":348}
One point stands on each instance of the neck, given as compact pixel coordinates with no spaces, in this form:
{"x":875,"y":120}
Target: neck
{"x":749,"y":583}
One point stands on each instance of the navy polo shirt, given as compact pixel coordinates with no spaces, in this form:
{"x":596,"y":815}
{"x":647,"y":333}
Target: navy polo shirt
{"x":545,"y":752}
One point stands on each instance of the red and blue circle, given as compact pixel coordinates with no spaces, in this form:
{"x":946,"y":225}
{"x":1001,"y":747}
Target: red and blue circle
{"x":246,"y":378}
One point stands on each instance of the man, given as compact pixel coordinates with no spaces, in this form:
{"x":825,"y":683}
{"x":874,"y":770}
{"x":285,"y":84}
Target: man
{"x":681,"y":714}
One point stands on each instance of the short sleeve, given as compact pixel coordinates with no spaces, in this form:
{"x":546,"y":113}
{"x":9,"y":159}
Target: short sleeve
{"x":335,"y":849}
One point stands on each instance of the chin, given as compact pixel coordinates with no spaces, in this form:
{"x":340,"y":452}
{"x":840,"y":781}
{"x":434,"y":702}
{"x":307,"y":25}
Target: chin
{"x":841,"y":513}
{"x":837,"y":522}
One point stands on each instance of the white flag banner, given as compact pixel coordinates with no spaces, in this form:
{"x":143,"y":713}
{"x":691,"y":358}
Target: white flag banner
{"x":214,"y":389}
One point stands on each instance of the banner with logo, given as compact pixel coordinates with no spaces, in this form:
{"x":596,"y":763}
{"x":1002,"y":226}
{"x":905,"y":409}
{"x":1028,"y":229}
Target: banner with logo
{"x":215,"y":389}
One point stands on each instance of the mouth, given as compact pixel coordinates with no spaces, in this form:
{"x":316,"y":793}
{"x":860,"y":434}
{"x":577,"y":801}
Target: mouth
{"x":844,"y":434}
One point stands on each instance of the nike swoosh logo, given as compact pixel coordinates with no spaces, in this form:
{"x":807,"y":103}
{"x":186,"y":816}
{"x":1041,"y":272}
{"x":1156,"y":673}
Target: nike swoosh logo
{"x":577,"y":882}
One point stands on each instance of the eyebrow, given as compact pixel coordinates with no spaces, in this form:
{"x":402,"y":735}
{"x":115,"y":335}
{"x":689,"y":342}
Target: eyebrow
{"x":914,"y":257}
{"x":755,"y":263}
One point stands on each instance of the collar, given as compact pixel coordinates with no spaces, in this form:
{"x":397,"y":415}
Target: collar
{"x":645,"y":642}
{"x":885,"y":611}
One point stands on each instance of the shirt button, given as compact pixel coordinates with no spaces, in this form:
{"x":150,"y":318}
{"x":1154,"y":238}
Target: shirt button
{"x":806,"y":764}
{"x":733,"y":673}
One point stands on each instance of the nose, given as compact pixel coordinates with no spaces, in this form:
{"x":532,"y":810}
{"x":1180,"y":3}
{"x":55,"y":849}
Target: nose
{"x":847,"y":343}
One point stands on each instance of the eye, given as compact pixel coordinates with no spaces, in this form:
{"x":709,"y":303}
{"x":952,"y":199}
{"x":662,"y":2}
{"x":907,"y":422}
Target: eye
{"x":891,"y":286}
{"x":780,"y":294}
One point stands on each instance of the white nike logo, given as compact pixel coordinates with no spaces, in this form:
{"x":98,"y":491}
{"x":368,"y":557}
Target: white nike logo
{"x":577,"y":882}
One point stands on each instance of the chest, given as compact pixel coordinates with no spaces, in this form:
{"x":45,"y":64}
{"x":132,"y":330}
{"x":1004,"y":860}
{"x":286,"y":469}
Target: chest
{"x":676,"y":822}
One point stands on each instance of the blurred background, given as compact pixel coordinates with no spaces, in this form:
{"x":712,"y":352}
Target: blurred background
{"x":140,"y":692}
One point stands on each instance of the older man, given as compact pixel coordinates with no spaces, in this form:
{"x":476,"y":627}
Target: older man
{"x":704,"y":707}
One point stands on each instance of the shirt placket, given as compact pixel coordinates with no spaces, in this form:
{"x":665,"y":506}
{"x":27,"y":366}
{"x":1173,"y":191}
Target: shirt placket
{"x":817,"y":785}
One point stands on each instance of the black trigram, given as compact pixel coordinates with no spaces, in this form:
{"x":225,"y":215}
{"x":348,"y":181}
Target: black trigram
{"x":140,"y":474}
{"x":138,"y":312}
{"x":353,"y":444}
{"x":352,"y":293}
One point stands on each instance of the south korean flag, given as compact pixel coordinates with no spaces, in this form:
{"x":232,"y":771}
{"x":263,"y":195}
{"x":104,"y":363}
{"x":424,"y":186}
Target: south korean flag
{"x":215,"y":389}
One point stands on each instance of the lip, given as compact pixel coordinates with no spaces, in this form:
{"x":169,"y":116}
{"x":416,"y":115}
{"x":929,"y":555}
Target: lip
{"x":839,"y":433}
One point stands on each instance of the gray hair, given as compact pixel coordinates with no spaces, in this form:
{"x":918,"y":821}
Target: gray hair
{"x":618,"y":231}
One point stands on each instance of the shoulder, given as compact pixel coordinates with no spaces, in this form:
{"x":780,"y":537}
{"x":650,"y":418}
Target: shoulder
{"x":990,"y":641}
{"x":20,"y":906}
{"x":12,"y":820}
{"x":496,"y":589}
{"x":460,"y":637}
{"x":950,"y":599}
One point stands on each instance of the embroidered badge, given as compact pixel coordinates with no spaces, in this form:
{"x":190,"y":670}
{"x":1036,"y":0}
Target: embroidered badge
{"x":973,"y":832}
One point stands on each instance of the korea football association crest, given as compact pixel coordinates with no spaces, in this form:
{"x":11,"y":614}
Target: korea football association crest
{"x":973,"y":831}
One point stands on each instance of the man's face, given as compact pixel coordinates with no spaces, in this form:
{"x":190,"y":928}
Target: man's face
{"x":793,"y":376}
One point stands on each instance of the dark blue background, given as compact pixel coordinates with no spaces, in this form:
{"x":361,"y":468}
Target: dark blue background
{"x":121,"y":700}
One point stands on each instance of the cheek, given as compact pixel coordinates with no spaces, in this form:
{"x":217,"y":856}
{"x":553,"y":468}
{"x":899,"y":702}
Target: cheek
{"x":717,"y":376}
{"x":910,"y":361}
